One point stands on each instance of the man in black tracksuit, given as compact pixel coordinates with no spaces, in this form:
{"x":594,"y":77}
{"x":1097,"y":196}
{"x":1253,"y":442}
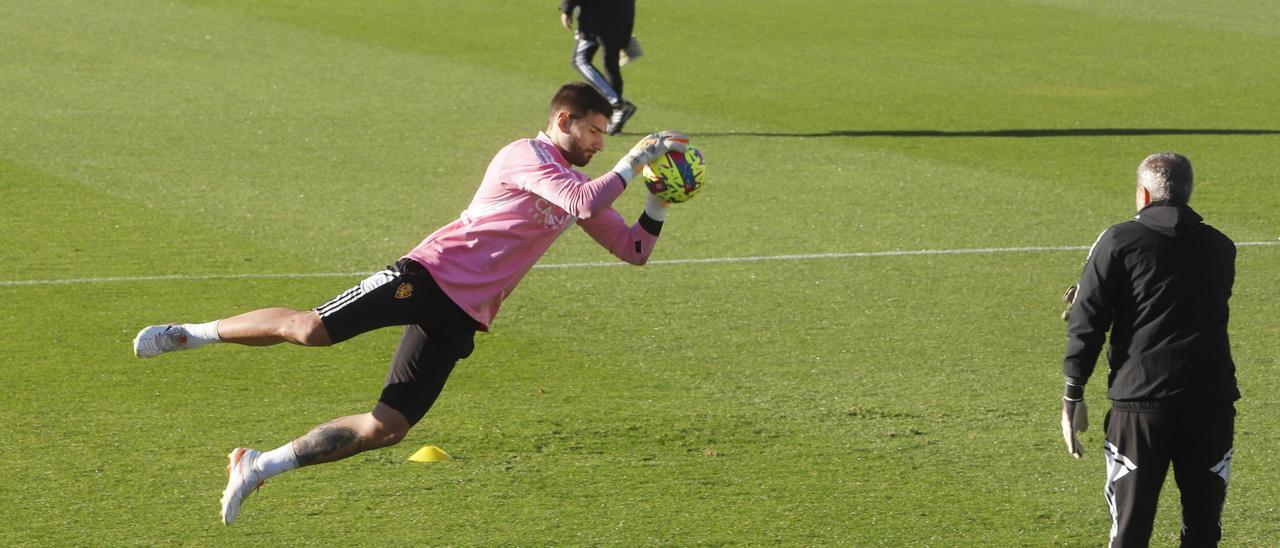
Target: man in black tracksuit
{"x":607,"y":24}
{"x":1160,"y":283}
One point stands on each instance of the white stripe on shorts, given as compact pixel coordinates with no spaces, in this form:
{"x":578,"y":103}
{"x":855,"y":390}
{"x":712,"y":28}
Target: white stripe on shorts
{"x":378,"y":279}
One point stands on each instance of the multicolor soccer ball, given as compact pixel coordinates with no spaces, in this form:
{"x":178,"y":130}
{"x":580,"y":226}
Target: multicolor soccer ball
{"x":677,"y":176}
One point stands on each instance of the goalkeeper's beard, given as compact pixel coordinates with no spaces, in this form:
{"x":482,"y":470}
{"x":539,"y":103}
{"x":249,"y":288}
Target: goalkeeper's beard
{"x":578,"y":155}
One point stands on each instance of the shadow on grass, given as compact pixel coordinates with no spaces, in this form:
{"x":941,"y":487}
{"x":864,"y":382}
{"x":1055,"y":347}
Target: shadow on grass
{"x":1001,"y":133}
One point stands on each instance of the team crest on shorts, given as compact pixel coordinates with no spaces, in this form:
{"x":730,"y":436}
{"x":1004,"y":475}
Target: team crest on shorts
{"x":404,"y":291}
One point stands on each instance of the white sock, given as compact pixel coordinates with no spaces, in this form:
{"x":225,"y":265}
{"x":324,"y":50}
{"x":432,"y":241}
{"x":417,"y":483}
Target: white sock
{"x":276,"y":461}
{"x":200,"y":334}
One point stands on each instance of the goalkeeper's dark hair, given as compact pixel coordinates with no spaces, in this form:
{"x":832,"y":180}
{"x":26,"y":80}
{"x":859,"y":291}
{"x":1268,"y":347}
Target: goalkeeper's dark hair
{"x":579,"y":99}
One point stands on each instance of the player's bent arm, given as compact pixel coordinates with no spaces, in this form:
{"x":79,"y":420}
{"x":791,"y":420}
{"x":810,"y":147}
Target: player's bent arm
{"x":1091,"y":312}
{"x":558,"y":185}
{"x":632,"y":244}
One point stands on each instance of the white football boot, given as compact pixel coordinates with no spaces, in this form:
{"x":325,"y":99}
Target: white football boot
{"x":155,"y":340}
{"x":242,"y":480}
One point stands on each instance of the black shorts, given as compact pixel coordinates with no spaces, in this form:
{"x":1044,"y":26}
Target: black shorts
{"x":437,"y":333}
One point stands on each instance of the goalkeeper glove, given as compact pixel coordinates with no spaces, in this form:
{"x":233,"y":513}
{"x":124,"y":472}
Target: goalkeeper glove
{"x":1075,"y":416}
{"x":650,"y":148}
{"x":1069,"y":298}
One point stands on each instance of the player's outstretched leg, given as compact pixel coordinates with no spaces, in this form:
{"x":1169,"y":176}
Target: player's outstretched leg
{"x":262,"y":327}
{"x":335,"y":440}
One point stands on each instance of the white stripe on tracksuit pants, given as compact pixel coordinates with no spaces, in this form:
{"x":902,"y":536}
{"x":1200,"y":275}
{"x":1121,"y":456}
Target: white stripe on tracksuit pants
{"x":1143,"y":440}
{"x":584,"y":50}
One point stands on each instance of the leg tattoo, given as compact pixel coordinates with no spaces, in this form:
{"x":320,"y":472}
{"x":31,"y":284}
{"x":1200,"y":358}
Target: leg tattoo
{"x":327,"y":443}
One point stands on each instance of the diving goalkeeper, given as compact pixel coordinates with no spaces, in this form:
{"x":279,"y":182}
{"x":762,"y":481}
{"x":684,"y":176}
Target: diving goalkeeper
{"x":447,"y":287}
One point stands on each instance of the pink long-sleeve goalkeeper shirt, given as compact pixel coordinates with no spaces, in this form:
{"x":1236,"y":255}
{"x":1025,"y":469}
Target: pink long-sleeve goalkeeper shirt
{"x":529,"y":196}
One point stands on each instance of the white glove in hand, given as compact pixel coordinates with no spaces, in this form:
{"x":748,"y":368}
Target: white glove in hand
{"x":648,"y":150}
{"x":1075,"y":418}
{"x":1069,"y":298}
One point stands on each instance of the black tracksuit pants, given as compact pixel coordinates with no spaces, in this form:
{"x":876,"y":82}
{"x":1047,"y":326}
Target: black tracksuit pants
{"x":608,"y":84}
{"x":1143,"y":439}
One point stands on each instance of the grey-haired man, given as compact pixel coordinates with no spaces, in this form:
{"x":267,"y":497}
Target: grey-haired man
{"x":1160,"y":284}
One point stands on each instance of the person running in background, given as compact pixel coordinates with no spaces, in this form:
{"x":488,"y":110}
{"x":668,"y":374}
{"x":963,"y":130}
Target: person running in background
{"x":603,"y":24}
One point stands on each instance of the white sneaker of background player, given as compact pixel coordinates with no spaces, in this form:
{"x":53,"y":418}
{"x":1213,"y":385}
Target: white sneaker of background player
{"x":630,"y":53}
{"x":155,"y":340}
{"x":242,"y":480}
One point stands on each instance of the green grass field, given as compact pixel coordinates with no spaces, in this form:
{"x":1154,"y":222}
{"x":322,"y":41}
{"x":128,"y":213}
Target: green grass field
{"x":183,"y":161}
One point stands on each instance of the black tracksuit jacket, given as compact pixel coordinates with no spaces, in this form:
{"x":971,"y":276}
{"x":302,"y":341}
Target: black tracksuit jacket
{"x":1160,"y":283}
